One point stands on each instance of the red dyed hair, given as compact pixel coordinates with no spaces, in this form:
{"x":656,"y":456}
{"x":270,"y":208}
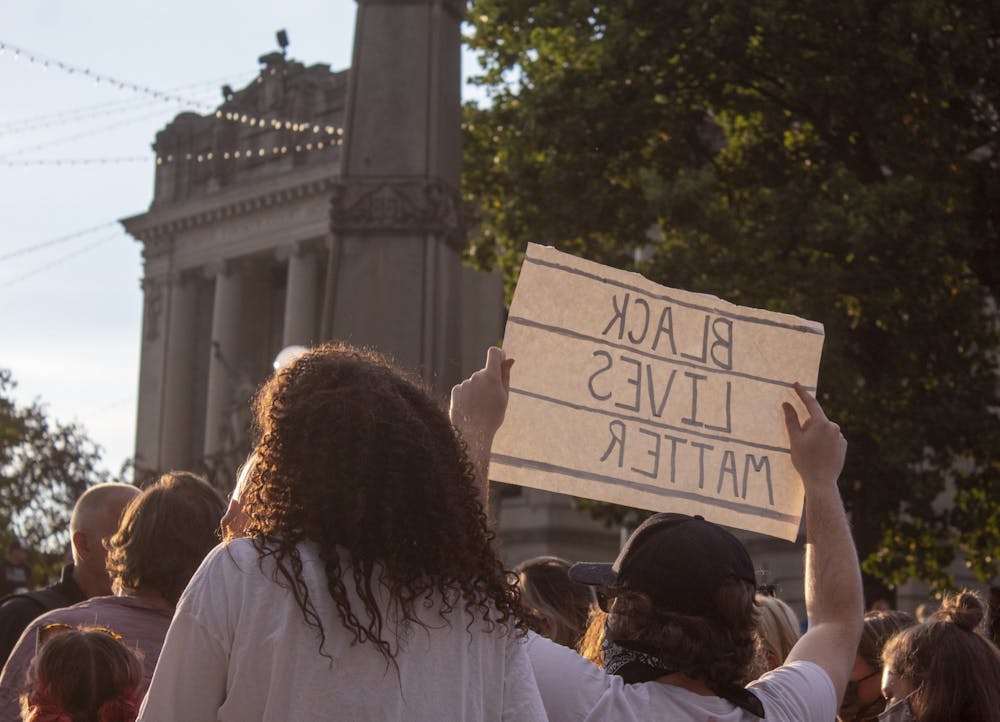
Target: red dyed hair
{"x":82,"y":675}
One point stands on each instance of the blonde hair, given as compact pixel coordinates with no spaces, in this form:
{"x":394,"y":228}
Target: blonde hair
{"x":777,"y":628}
{"x":591,"y":644}
{"x":560,"y":606}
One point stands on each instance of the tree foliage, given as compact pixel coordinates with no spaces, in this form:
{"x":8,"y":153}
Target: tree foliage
{"x":837,"y":161}
{"x":44,"y":467}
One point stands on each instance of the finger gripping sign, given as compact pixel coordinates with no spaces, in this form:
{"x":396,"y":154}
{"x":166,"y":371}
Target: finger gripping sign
{"x":629,"y":392}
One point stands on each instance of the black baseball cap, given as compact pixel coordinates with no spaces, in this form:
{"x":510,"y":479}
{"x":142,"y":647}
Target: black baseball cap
{"x":676,"y":559}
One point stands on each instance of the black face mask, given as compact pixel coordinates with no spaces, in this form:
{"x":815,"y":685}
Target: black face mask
{"x":854,"y":710}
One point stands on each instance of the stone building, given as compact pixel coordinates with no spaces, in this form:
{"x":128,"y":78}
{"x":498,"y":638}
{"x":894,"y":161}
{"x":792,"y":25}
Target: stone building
{"x":320,"y":205}
{"x":317,"y":205}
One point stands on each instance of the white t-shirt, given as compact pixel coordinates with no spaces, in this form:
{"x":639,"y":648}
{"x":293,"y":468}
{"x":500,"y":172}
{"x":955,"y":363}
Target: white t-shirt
{"x":574,"y":690}
{"x":238,"y":649}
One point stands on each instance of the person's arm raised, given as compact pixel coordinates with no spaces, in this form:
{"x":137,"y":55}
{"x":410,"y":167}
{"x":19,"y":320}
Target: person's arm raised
{"x":834,"y":603}
{"x":478,"y":405}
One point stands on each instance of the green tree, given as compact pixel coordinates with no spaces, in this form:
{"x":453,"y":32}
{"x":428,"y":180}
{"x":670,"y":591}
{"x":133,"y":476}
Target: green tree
{"x":44,"y":467}
{"x":837,"y":161}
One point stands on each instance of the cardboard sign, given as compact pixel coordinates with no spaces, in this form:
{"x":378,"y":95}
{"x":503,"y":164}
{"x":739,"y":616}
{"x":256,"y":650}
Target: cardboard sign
{"x":630,"y":392}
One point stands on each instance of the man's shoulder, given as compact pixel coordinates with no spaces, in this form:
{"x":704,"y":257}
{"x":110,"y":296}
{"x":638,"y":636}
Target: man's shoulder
{"x":35,"y":602}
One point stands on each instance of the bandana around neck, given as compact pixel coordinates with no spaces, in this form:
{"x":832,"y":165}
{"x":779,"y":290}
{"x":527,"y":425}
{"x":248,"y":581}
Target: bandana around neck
{"x":635,"y":663}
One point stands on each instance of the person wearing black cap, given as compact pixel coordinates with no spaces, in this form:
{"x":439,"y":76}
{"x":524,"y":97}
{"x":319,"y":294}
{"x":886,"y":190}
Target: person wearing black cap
{"x":679,"y":639}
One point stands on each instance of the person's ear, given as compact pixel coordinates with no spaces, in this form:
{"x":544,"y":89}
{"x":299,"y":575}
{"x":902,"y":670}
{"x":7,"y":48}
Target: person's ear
{"x":82,"y":544}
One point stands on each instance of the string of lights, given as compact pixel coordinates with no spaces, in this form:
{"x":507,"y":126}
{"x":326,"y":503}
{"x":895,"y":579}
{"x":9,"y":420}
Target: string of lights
{"x":18,"y":53}
{"x":119,"y":160}
{"x":61,"y":260}
{"x":205,"y":157}
{"x":45,"y":63}
{"x":248,"y":153}
{"x":25,"y":250}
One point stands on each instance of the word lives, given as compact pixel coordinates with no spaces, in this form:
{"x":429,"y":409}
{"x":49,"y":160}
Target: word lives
{"x":674,"y":402}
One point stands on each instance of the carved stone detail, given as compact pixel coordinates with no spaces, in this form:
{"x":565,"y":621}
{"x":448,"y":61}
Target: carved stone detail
{"x":398,"y":205}
{"x":152,"y":308}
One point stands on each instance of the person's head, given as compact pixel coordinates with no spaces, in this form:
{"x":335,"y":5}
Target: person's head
{"x":359,"y":459}
{"x":164,"y":535}
{"x":235,"y":520}
{"x":82,"y":675}
{"x":17,"y":554}
{"x":682,"y":588}
{"x":777,"y":629}
{"x":924,"y":611}
{"x":558,"y":606}
{"x":863,"y":697}
{"x":95,"y":519}
{"x":943,"y":668}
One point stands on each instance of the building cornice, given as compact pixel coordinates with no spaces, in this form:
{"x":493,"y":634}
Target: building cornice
{"x":156,"y":228}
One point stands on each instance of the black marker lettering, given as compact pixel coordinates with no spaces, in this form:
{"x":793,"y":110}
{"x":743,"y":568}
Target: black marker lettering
{"x":590,"y":382}
{"x":724,"y":341}
{"x":645,"y":324}
{"x":619,"y":316}
{"x":693,"y":419}
{"x":617,"y":429}
{"x":635,"y":380}
{"x":666,"y":327}
{"x":728,"y":468}
{"x":704,"y":346}
{"x":658,"y":410}
{"x":655,"y":453}
{"x":765,"y":466}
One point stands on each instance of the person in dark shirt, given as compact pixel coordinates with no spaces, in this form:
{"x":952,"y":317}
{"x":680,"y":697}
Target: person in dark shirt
{"x":95,"y":518}
{"x":16,"y":576}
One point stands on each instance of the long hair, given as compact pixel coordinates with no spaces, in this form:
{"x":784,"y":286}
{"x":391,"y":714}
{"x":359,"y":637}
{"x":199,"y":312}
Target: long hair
{"x":558,"y":606}
{"x":82,"y":676}
{"x":777,"y":631}
{"x":591,"y":644}
{"x":164,"y":535}
{"x":956,"y":670}
{"x":718,"y":649}
{"x":357,"y":458}
{"x":879,"y":628}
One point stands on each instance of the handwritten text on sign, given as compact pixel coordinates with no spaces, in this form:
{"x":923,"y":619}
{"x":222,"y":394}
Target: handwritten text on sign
{"x":634,"y":393}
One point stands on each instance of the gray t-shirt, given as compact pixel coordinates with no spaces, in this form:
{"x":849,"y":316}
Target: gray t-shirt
{"x":574,"y":690}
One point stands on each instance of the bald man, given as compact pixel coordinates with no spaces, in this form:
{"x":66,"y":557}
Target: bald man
{"x":95,"y":518}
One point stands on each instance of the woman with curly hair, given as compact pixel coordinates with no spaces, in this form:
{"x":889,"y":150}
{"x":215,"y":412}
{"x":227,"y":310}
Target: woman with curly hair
{"x":366,"y":586}
{"x":943,"y":670}
{"x":82,"y":675}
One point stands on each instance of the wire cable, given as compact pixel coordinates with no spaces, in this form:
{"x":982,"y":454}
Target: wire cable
{"x":61,"y":260}
{"x":25,"y":250}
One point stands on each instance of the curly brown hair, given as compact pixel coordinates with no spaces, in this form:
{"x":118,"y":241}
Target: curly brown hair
{"x":164,"y":535}
{"x":357,"y":457}
{"x":717,"y":649}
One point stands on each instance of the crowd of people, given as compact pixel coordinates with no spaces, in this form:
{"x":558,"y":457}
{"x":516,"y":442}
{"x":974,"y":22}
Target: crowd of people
{"x":357,"y":578}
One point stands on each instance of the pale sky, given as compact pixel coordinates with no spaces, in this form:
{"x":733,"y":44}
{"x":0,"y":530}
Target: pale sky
{"x":70,"y":312}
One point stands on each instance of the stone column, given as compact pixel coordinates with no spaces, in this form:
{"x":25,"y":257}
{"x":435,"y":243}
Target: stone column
{"x":176,"y":442}
{"x":396,"y":215}
{"x":301,"y":296}
{"x":224,"y":364}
